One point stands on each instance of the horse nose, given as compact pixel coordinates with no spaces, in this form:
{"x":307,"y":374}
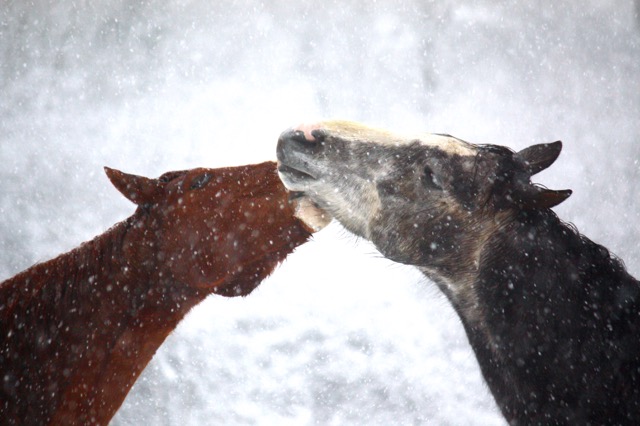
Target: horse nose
{"x":311,"y":131}
{"x":298,"y":136}
{"x":298,"y":140}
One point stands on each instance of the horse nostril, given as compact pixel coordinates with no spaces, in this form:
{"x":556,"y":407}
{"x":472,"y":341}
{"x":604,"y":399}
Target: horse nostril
{"x":311,"y":131}
{"x":300,"y":137}
{"x":319,"y":135}
{"x":297,"y":141}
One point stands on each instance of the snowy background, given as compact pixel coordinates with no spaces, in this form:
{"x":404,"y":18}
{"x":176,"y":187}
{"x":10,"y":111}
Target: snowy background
{"x":337,"y":335}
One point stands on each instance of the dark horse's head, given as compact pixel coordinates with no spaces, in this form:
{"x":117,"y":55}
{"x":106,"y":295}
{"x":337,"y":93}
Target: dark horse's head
{"x":221,"y":230}
{"x":427,"y":200}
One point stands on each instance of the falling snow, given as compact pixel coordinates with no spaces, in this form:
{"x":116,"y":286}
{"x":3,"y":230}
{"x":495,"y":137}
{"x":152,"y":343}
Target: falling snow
{"x":337,"y":335}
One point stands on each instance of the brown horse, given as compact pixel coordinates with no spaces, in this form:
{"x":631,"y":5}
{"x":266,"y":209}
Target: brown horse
{"x":76,"y":331}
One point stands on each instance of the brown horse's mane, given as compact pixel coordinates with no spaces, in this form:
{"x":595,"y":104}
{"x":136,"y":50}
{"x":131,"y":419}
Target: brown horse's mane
{"x":66,"y":300}
{"x":47,"y":296}
{"x":69,"y":281}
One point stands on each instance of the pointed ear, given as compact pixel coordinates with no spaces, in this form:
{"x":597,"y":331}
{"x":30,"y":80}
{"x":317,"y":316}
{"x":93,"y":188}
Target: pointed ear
{"x":537,"y":197}
{"x":138,"y":189}
{"x":536,"y":158}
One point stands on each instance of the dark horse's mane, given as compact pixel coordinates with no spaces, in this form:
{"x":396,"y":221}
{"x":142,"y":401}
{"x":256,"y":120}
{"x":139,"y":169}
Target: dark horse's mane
{"x":570,"y":305}
{"x":602,"y":260}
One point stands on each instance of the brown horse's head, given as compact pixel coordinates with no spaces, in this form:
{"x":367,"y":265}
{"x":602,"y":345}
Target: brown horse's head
{"x":219,"y":230}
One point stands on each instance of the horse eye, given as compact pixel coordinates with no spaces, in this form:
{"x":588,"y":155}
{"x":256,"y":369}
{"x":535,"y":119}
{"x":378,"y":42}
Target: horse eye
{"x":200,"y":181}
{"x":430,"y":179}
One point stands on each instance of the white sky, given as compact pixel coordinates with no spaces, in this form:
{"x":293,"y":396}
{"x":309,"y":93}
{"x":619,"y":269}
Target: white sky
{"x":337,"y":335}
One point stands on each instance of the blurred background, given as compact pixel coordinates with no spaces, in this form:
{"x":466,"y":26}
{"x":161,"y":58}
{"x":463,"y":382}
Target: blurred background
{"x":337,"y":335}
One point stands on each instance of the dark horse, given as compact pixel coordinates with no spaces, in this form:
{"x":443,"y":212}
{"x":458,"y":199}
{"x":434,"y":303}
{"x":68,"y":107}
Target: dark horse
{"x":77,"y":331}
{"x":553,"y":318}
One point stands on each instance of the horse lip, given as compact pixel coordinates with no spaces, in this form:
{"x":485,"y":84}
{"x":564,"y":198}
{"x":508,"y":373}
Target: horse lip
{"x":296,"y":195}
{"x":293,"y":173}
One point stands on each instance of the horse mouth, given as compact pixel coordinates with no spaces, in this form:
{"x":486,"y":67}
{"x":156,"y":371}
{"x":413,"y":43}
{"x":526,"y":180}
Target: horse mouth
{"x":297,"y":175}
{"x":293,"y":177}
{"x":304,"y":207}
{"x":294,"y":196}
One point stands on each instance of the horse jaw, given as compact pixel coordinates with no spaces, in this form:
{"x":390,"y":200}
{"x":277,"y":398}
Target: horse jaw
{"x":309,"y":213}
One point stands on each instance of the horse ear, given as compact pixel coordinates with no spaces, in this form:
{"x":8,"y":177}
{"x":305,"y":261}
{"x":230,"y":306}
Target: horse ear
{"x":537,"y":197}
{"x":138,"y":189}
{"x":536,"y":158}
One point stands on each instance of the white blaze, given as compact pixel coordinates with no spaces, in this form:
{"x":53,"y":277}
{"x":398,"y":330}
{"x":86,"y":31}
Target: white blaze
{"x":352,"y":131}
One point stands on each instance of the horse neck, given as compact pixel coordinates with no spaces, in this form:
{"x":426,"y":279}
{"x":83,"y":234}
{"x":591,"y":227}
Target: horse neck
{"x":538,"y":258}
{"x":68,"y":279}
{"x":88,"y":320}
{"x":537,"y":280}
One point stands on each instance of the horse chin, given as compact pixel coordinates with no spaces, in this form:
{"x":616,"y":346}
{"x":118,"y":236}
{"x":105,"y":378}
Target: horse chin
{"x":308,"y":212}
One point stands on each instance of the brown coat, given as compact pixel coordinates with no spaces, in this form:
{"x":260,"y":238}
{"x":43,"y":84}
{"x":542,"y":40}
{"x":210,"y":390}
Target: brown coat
{"x":76,"y":331}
